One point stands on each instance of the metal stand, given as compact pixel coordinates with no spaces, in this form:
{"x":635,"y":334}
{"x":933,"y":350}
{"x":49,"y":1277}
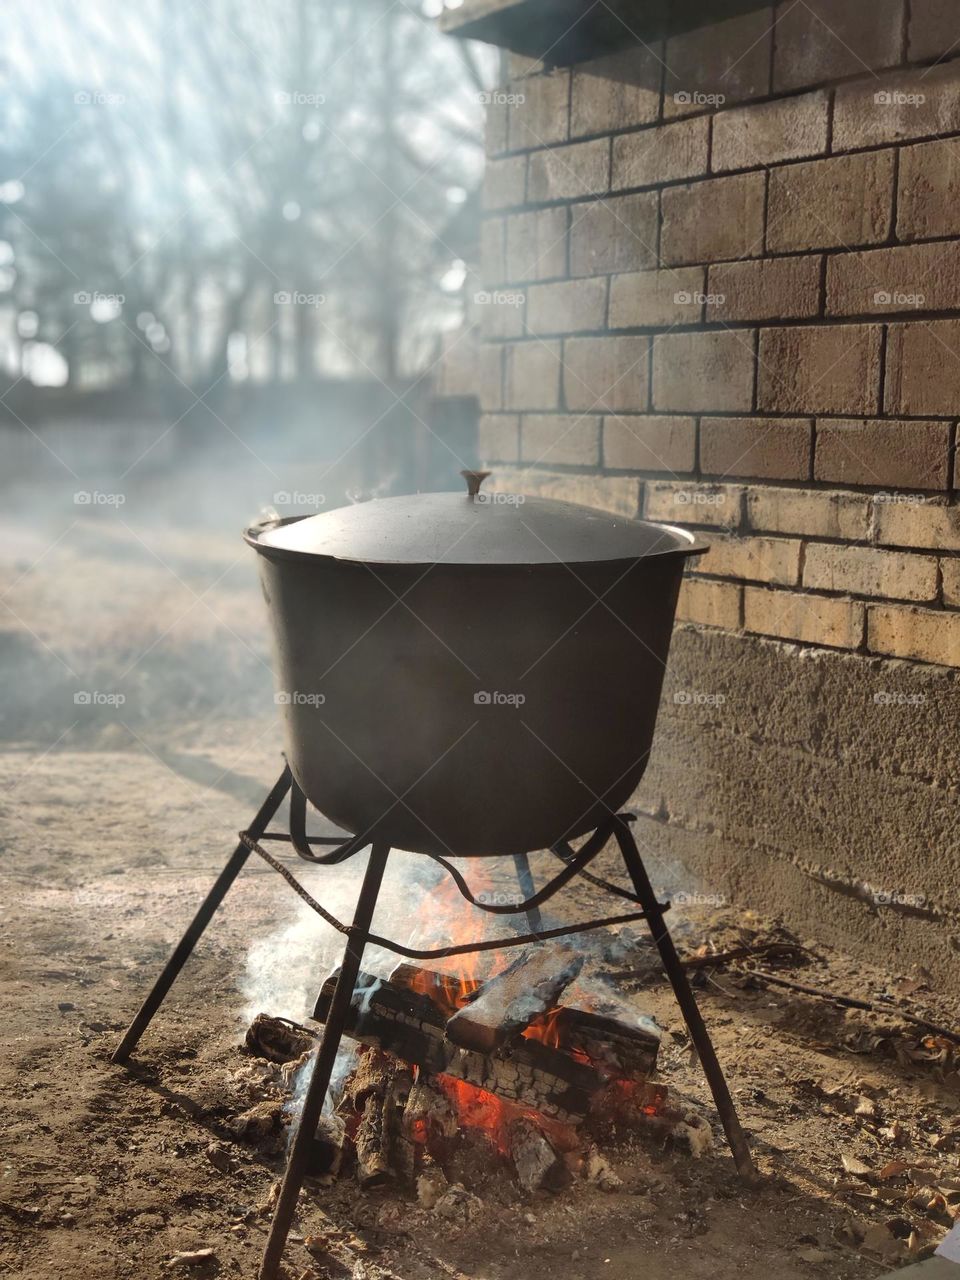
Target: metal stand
{"x":674,"y":970}
{"x":323,"y":1068}
{"x":358,"y":934}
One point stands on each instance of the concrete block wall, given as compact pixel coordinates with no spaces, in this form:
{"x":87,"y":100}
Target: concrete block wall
{"x":722,"y":289}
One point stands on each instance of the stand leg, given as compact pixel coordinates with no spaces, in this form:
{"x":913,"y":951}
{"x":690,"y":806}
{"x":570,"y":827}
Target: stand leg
{"x":323,"y":1068}
{"x":200,"y":921}
{"x":527,"y":888}
{"x":687,"y":1002}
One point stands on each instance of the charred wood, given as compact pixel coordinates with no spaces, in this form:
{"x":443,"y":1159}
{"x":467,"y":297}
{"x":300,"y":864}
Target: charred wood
{"x":534,"y":1159}
{"x":509,"y":1002}
{"x":407,"y":1015}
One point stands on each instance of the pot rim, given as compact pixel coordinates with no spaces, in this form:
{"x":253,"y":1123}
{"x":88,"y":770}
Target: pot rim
{"x":695,"y":546}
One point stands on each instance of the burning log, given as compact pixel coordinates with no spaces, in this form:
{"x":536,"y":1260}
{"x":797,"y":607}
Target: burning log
{"x":509,"y":1002}
{"x":408,"y":1015}
{"x":428,"y":1118}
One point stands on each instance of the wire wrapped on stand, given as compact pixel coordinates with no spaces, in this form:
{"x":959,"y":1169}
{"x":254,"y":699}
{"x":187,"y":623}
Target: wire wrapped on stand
{"x":574,"y":866}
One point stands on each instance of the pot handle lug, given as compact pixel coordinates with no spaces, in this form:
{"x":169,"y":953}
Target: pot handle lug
{"x":474,"y":480}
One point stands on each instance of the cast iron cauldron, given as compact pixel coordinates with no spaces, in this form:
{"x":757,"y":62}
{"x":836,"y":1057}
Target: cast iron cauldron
{"x":469,"y":673}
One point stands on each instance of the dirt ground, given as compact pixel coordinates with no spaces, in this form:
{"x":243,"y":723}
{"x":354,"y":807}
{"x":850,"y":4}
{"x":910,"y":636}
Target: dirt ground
{"x":113,"y":822}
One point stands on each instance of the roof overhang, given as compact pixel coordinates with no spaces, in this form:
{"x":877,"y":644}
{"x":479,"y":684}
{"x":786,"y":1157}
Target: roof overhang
{"x":560,"y":32}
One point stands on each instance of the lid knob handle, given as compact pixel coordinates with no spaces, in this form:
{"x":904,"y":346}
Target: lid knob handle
{"x":474,"y":480}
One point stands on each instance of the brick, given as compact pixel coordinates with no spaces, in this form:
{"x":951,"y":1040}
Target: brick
{"x":813,"y":513}
{"x":769,"y":132}
{"x":923,"y":368}
{"x":703,"y":371}
{"x":821,"y":40}
{"x":665,"y":154}
{"x":656,"y":298}
{"x":928,"y":203}
{"x":608,"y":493}
{"x":903,"y":455}
{"x":607,"y":374}
{"x":540,"y":116}
{"x":649,"y":443}
{"x":809,"y":619}
{"x":767,"y":289}
{"x":616,"y":234}
{"x":493,"y":262}
{"x":934,"y":29}
{"x":566,"y":307}
{"x":842,"y":202}
{"x":713,"y":220}
{"x":919,"y":103}
{"x":884,"y":281}
{"x":915,"y":523}
{"x":500,"y":313}
{"x":925,"y":635}
{"x":620,"y":91}
{"x":867,"y":571}
{"x":499,"y":438}
{"x":820,"y":369}
{"x":731,"y":58}
{"x":504,"y":182}
{"x":762,"y":448}
{"x":536,"y":245}
{"x":491,"y":377}
{"x":710,"y":604}
{"x":714,"y":506}
{"x":951,"y":583}
{"x":564,"y":173}
{"x":532,"y":376}
{"x":560,"y":439}
{"x":754,"y":559}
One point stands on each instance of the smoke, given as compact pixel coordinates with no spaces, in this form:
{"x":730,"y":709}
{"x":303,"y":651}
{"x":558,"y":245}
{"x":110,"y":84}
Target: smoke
{"x":285,"y":969}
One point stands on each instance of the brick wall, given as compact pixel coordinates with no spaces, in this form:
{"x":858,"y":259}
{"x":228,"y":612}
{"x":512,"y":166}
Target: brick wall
{"x":724,"y":291}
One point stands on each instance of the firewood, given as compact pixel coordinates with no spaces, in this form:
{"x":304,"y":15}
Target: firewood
{"x":399,"y":1147}
{"x":534,"y":1159}
{"x":410,"y":1026}
{"x":506,"y":1004}
{"x":373,"y":1169}
{"x":447,"y":990}
{"x":428,"y":1118}
{"x":550,"y":1079}
{"x":326,"y":1154}
{"x":378,"y":1089}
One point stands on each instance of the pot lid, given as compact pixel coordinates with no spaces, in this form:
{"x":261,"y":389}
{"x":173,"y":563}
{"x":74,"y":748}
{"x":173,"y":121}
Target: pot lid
{"x":469,"y":529}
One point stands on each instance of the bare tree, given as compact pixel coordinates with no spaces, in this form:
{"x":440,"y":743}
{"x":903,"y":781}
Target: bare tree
{"x":274,"y":178}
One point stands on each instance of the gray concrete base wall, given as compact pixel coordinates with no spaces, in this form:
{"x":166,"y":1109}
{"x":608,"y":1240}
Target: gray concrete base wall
{"x":815,"y":785}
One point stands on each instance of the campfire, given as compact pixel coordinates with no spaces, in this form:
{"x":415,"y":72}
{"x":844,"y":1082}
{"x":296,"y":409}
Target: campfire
{"x":453,"y":1077}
